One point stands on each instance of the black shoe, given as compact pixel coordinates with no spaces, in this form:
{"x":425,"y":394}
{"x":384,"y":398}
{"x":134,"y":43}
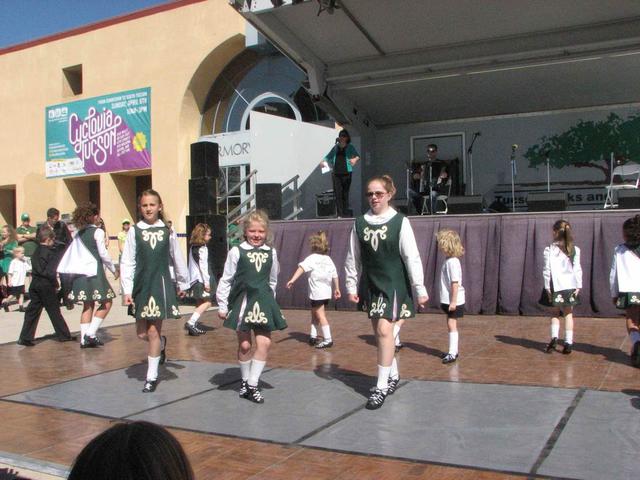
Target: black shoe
{"x":449,"y":358}
{"x":552,"y":345}
{"x":26,"y":343}
{"x":89,"y":342}
{"x":313,"y":341}
{"x":6,"y":307}
{"x":163,"y":354}
{"x":392,"y":385}
{"x":70,"y":338}
{"x":244,"y":389}
{"x":568,"y":347}
{"x":22,"y":309}
{"x":150,"y":386}
{"x":194,"y":330}
{"x":399,"y":347}
{"x":635,"y":355}
{"x":376,"y":400}
{"x":254,"y":394}
{"x":325,"y":344}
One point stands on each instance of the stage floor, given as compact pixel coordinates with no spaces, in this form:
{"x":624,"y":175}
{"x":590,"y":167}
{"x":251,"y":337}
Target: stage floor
{"x":504,"y":410}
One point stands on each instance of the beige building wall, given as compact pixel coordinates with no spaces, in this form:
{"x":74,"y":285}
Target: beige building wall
{"x":178,"y":51}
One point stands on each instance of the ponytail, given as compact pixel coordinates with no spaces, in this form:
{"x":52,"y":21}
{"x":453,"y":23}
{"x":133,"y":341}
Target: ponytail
{"x":563,"y":232}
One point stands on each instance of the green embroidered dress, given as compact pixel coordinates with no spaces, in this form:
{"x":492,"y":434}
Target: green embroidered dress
{"x":154,"y":294}
{"x":251,"y":301}
{"x":385,"y":289}
{"x":95,"y":288}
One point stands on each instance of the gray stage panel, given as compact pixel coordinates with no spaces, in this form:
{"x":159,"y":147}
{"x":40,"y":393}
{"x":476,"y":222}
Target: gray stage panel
{"x":119,"y":393}
{"x":499,"y":427}
{"x":296,"y":403}
{"x":601,"y":439}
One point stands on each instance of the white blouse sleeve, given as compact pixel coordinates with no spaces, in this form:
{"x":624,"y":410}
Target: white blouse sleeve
{"x":352,"y":266}
{"x":613,"y":277}
{"x":203,"y":264}
{"x":546,"y":269}
{"x":128,"y":262}
{"x":411,"y":257}
{"x":224,"y":285}
{"x":273,"y":275}
{"x":99,"y":237}
{"x":179,"y":264}
{"x":577,"y":268}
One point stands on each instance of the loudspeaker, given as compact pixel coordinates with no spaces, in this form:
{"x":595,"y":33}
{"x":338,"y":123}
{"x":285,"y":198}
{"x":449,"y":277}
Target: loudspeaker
{"x":469,"y":204}
{"x":269,"y":199}
{"x":325,"y":204}
{"x":547,"y":201}
{"x":629,"y":198}
{"x":203,"y":193}
{"x":204,"y":160}
{"x":218,"y":244}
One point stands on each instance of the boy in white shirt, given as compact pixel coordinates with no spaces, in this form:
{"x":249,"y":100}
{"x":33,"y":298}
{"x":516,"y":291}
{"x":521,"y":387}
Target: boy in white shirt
{"x":17,"y":275}
{"x":322,"y":274}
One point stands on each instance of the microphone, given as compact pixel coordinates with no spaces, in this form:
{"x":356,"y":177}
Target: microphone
{"x":477,"y":134}
{"x":514,"y":147}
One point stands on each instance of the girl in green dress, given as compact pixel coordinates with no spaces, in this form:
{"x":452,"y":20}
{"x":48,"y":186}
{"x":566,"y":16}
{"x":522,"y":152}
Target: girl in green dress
{"x":384,"y":256}
{"x":8,"y":241}
{"x":92,"y":290}
{"x":146,"y":281}
{"x":246,"y":300}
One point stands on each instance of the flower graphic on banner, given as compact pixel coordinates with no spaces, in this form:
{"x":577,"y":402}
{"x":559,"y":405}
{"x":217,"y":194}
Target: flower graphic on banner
{"x":139,"y":141}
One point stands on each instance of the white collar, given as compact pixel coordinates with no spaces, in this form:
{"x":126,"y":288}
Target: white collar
{"x":144,"y":225}
{"x":382,"y":218}
{"x":247,"y":246}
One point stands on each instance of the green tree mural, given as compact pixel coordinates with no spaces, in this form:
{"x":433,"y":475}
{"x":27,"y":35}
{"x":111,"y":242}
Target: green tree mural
{"x":589,"y":144}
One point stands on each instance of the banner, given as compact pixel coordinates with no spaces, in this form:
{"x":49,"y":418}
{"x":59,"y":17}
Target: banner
{"x":102,"y":134}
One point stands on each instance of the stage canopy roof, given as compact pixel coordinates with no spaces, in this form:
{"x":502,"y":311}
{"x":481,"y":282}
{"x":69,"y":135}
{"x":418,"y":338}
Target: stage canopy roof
{"x":407,"y":61}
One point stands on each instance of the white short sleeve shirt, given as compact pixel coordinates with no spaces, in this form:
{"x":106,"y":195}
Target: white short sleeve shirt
{"x":451,"y":272}
{"x":321,"y":271}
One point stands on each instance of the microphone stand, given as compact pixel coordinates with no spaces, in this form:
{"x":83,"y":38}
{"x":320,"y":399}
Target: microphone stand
{"x":514,"y":173}
{"x":470,"y":152}
{"x":548,"y":174}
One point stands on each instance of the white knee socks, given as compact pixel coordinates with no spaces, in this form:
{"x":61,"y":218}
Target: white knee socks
{"x":254,"y":373}
{"x":313,"y":333}
{"x":568,"y":336}
{"x":383,"y":377}
{"x":326,"y":333}
{"x":394,"y":373}
{"x":152,"y":369}
{"x":453,"y":343}
{"x":555,"y":330}
{"x":195,"y":316}
{"x":245,"y":367}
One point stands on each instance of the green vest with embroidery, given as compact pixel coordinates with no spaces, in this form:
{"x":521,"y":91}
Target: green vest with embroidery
{"x":384,"y":285}
{"x":153,"y":292}
{"x":251,"y":283}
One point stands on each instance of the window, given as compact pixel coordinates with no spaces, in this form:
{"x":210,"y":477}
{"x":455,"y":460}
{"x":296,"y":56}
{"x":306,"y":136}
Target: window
{"x":72,"y":82}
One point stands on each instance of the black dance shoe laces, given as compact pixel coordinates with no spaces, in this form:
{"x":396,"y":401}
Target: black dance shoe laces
{"x":392,"y":385}
{"x":568,"y":348}
{"x":376,"y":400}
{"x":449,"y":358}
{"x":244,"y":389}
{"x":254,"y":394}
{"x":552,"y":345}
{"x":313,"y":341}
{"x":150,"y":386}
{"x":325,"y":344}
{"x":90,"y":342}
{"x":194,"y":330}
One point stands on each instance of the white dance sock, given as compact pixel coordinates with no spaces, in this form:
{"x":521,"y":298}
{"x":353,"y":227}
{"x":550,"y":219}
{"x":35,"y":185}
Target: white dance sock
{"x":394,"y":374}
{"x":195,"y":316}
{"x":326,"y":333}
{"x":256,"y":370}
{"x":94,"y":326}
{"x":313,"y":333}
{"x":152,"y":369}
{"x":453,"y":343}
{"x":568,"y":336}
{"x":383,"y":377}
{"x":84,"y":329}
{"x":555,"y":330}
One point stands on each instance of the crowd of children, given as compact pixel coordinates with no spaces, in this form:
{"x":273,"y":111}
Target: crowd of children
{"x":383,"y":275}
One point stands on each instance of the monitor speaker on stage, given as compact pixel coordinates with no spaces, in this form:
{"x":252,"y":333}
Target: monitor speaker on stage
{"x":629,"y":198}
{"x":203,"y":193}
{"x":218,"y":244}
{"x":547,"y":201}
{"x":269,"y":199}
{"x":325,"y":204}
{"x":464,"y":205}
{"x":204,"y":160}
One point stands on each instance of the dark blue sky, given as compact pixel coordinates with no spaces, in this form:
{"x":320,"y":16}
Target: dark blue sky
{"x":25,"y":20}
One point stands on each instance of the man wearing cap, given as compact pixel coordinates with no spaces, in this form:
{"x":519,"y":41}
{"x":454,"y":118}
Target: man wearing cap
{"x":27,"y":237}
{"x":122,"y":236}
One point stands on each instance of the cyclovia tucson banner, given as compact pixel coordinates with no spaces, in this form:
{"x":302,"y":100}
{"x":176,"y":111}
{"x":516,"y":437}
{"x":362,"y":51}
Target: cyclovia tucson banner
{"x":110,"y":133}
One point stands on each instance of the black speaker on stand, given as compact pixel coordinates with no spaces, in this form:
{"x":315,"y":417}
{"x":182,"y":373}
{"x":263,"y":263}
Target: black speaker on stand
{"x":269,"y":199}
{"x":629,"y":198}
{"x":464,"y":205}
{"x":204,"y":160}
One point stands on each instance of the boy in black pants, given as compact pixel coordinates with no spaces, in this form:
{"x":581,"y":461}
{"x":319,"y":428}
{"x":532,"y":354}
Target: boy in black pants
{"x":42,"y":291}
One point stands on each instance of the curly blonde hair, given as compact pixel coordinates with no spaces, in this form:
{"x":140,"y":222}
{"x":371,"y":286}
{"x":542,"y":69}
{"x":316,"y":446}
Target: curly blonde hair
{"x":198,"y":233}
{"x":261,"y":217}
{"x":449,"y":242}
{"x":319,"y":243}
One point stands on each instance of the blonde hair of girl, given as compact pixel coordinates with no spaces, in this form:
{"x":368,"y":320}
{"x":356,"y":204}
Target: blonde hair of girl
{"x":449,"y":242}
{"x":319,"y":243}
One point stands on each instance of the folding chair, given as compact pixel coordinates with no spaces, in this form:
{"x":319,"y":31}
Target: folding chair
{"x":629,"y":175}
